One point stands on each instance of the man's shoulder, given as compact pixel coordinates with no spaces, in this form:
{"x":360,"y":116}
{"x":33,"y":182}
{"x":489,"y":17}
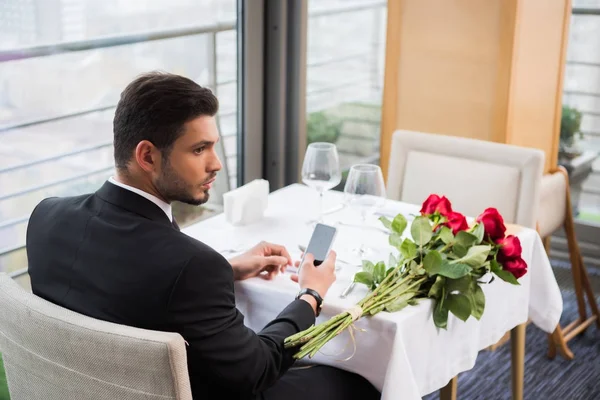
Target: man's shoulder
{"x":50,"y":206}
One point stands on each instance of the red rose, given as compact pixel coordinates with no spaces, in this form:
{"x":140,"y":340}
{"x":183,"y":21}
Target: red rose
{"x":510,"y":248}
{"x":516,"y":266}
{"x":436,"y":203}
{"x":457,"y":222}
{"x":493,"y":223}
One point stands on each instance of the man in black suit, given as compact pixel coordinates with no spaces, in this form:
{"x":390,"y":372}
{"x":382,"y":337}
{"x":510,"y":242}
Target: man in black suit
{"x":118,"y":255}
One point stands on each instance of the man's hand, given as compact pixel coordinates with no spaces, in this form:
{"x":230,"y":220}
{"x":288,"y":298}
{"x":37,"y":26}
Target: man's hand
{"x":265,"y":260}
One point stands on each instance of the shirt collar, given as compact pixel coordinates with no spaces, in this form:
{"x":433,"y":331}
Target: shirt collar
{"x":166,"y":207}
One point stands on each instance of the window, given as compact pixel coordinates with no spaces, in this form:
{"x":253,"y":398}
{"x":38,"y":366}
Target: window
{"x":63,"y":64}
{"x":345,"y":63}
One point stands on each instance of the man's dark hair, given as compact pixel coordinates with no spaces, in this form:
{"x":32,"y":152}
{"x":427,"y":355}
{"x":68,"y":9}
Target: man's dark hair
{"x":155,"y":107}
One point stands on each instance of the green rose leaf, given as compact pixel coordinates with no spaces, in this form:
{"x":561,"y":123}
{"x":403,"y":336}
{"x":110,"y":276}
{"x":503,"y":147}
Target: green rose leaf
{"x":395,"y":240}
{"x":368,"y":266}
{"x":379,"y":272}
{"x":432,"y":262}
{"x":453,"y":271}
{"x":386,"y":222}
{"x":461,"y":285}
{"x":502,"y":274}
{"x":400,"y":289}
{"x":466,"y":239}
{"x":446,"y":235}
{"x":436,"y":288}
{"x":366,"y":278}
{"x":400,"y":302}
{"x":477,"y":302}
{"x":459,"y":250}
{"x":377,"y":309}
{"x":408,"y":249}
{"x":393,"y":261}
{"x":459,"y":305}
{"x":476,"y":256}
{"x":399,"y":224}
{"x":506,"y":276}
{"x":389,"y":271}
{"x":479,"y":232}
{"x":420,"y":230}
{"x":440,"y":315}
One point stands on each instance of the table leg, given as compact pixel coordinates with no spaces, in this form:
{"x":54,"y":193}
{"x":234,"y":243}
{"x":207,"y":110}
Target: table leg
{"x":448,"y":392}
{"x":517,"y":343}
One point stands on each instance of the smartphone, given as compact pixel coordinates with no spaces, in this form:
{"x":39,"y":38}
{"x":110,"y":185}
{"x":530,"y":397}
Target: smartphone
{"x":320,"y":243}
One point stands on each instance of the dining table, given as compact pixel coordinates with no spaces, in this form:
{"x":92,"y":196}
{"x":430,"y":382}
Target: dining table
{"x":403,"y":354}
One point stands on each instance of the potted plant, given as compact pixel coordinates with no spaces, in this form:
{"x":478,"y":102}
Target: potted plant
{"x":578,"y":163}
{"x":321,"y":127}
{"x":570,"y":131}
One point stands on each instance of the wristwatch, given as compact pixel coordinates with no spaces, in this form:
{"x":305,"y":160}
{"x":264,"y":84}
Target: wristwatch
{"x":314,"y":294}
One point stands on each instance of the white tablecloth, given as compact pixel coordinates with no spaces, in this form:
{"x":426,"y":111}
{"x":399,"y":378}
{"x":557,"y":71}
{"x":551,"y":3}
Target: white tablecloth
{"x":403,"y":354}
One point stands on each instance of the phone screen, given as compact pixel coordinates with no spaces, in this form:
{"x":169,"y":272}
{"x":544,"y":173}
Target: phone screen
{"x":320,"y":242}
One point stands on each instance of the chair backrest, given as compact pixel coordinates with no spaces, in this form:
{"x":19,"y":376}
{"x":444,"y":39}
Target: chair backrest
{"x":473,"y":174}
{"x":553,"y":202}
{"x":52,"y":353}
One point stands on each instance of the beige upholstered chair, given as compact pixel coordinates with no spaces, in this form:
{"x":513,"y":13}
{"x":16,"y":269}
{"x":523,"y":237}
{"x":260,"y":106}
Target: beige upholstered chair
{"x":555,"y":212}
{"x":473,"y":174}
{"x":52,"y":353}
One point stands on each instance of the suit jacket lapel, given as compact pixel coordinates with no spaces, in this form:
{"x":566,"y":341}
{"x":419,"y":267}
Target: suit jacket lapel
{"x":133,"y":202}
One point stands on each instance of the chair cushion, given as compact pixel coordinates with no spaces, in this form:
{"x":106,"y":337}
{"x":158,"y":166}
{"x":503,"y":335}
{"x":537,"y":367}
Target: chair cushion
{"x":553,"y":203}
{"x":450,"y":176}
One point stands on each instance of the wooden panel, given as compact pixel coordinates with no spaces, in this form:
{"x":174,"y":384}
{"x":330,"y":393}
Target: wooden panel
{"x":536,"y":89}
{"x":490,"y":70}
{"x":390,"y":84}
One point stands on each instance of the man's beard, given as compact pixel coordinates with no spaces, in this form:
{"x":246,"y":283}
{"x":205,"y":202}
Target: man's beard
{"x":173,"y":188}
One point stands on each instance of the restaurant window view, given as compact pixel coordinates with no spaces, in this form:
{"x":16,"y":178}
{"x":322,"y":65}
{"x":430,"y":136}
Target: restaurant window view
{"x":407,"y":202}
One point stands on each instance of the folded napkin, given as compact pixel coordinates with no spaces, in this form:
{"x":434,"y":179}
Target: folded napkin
{"x":246,"y":204}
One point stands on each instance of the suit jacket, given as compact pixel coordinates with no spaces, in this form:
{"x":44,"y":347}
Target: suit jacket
{"x":115,"y":256}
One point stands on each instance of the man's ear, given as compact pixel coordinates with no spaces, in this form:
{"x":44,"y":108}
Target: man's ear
{"x":147,"y":156}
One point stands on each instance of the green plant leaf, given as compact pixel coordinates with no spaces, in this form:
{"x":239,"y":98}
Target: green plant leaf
{"x":420,"y":230}
{"x":459,"y":250}
{"x":377,"y":309}
{"x":446,"y":235}
{"x":399,"y":224}
{"x":432,"y":262}
{"x":379,"y":272}
{"x":408,"y":249}
{"x":479,"y":232}
{"x":368,"y":266}
{"x":436,"y":288}
{"x":477,"y":302}
{"x":453,"y":271}
{"x":386,"y":222}
{"x":395,"y":240}
{"x":366,"y":278}
{"x":440,"y":315}
{"x":459,"y":305}
{"x":393,"y":261}
{"x":506,"y":276}
{"x":413,"y":302}
{"x":462,"y":285}
{"x":400,"y":302}
{"x":389,"y":271}
{"x":400,"y":289}
{"x":476,"y":256}
{"x":466,"y":239}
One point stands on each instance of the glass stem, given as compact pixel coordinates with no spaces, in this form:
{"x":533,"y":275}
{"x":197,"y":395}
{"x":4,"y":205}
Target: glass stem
{"x":321,"y":194}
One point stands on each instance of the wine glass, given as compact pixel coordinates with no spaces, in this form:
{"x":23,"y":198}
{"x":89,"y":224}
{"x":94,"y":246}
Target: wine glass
{"x":365,"y":193}
{"x":321,"y":170}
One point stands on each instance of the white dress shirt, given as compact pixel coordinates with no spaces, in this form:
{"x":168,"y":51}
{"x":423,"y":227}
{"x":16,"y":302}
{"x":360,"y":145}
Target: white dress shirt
{"x":166,"y":207}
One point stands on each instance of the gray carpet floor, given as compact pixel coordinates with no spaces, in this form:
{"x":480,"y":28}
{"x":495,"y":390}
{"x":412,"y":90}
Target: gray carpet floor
{"x":545,"y":379}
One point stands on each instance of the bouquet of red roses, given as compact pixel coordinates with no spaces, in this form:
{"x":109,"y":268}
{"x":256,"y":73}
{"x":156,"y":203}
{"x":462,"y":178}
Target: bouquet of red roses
{"x":444,"y":259}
